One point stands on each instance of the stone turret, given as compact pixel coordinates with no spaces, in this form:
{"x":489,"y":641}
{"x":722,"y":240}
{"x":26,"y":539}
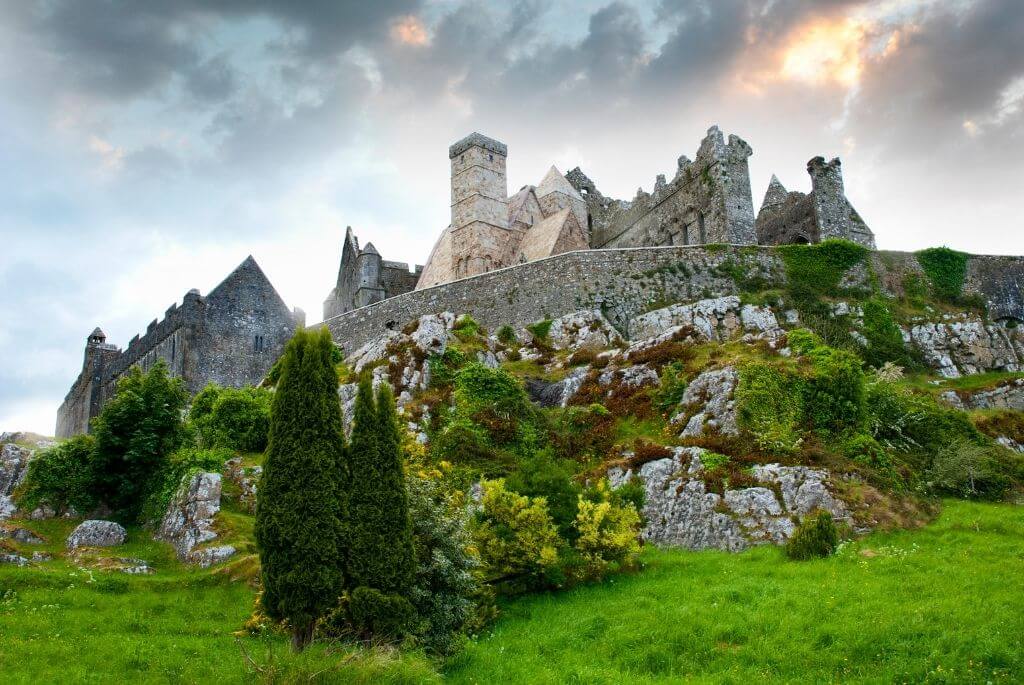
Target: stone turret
{"x":480,"y":234}
{"x":836,"y":217}
{"x":369,"y":266}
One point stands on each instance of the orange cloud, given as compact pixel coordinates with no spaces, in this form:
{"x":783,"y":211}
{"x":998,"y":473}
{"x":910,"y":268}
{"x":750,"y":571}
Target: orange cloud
{"x":409,"y":30}
{"x":826,"y":51}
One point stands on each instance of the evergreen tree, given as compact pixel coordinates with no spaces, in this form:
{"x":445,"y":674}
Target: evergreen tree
{"x":380,"y":554}
{"x":300,"y":512}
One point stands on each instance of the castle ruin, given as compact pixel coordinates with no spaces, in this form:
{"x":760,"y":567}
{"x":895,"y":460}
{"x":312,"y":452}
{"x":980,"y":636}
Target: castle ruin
{"x":231,"y":337}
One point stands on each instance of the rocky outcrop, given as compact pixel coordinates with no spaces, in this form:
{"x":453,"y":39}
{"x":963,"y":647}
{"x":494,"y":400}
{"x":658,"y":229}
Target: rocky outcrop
{"x":1009,"y":395}
{"x":708,"y":405}
{"x":19,"y":534}
{"x":717,"y":320}
{"x":585,"y":329}
{"x":680,"y":512}
{"x":246,"y":478}
{"x":96,"y":533}
{"x":965,"y":344}
{"x":188,"y":522}
{"x":14,"y":461}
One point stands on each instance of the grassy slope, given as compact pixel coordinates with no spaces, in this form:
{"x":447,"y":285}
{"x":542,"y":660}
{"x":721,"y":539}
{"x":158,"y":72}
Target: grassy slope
{"x":940,"y":603}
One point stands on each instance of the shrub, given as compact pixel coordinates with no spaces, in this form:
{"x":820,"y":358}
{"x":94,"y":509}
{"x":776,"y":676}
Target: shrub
{"x":607,"y":535}
{"x":507,"y":335}
{"x":672,"y":387}
{"x":443,"y":367}
{"x":466,"y":327}
{"x":540,"y":330}
{"x":445,"y":585}
{"x":816,"y":536}
{"x":61,"y":477}
{"x":866,"y":451}
{"x":237,"y":419}
{"x":769,"y":406}
{"x":885,"y":339}
{"x":379,"y":614}
{"x":541,"y":475}
{"x":582,"y":434}
{"x":516,"y":538}
{"x":135,"y":433}
{"x":968,"y":470}
{"x":300,"y":510}
{"x":834,"y":396}
{"x":946,"y":269}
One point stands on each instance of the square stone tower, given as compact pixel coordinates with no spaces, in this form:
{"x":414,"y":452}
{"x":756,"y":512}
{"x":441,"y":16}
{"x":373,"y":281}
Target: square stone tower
{"x":480,"y":235}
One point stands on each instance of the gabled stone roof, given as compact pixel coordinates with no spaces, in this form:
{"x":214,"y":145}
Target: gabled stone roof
{"x":555,"y":182}
{"x":540,"y":240}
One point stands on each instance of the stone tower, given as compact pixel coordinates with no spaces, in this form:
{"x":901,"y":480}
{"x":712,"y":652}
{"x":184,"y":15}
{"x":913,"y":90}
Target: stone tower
{"x":369,"y":266}
{"x":481,"y":239}
{"x":836,"y":217}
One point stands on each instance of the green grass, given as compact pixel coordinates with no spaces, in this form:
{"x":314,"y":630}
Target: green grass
{"x":940,"y":604}
{"x":972,"y":383}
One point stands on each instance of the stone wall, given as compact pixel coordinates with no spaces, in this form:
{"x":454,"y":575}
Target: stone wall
{"x":624,"y":283}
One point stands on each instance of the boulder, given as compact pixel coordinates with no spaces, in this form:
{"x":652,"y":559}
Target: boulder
{"x":96,"y":533}
{"x":585,"y":329}
{"x":246,"y":478}
{"x":188,"y":522}
{"x":965,"y":344}
{"x":716,"y":319}
{"x":19,"y":534}
{"x":14,"y":461}
{"x":11,"y":558}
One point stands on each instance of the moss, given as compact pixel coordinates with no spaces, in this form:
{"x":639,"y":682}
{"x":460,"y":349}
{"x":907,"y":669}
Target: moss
{"x":883,"y":334}
{"x":813,"y":271}
{"x":946,"y":269}
{"x":540,"y":330}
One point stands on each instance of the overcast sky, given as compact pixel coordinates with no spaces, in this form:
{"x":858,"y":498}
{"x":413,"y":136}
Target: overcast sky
{"x":148,"y":146}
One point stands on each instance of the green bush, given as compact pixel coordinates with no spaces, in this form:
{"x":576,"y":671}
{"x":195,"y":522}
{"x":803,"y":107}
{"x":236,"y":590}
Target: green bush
{"x":769,"y":406}
{"x":506,"y":335}
{"x":443,"y":367}
{"x":300,"y":507}
{"x":883,"y":334}
{"x":380,"y":614}
{"x":816,"y":536}
{"x":541,"y":475}
{"x":834,"y":397}
{"x":517,"y":540}
{"x":237,"y":419}
{"x":969,"y":470}
{"x":540,"y":330}
{"x":946,"y":269}
{"x":136,"y":432}
{"x":865,"y":450}
{"x":446,"y":585}
{"x":61,"y":477}
{"x":466,"y":327}
{"x":607,"y":535}
{"x":673,"y":386}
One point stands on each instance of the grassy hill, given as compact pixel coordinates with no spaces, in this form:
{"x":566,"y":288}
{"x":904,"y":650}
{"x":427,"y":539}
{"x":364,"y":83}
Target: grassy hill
{"x":939,"y":604}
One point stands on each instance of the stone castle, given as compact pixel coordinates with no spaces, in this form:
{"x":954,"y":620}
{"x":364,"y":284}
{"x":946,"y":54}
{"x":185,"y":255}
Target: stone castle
{"x":233,"y":335}
{"x":707,"y":201}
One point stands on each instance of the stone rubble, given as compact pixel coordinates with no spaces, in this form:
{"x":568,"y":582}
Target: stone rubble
{"x":96,"y":533}
{"x":188,"y":522}
{"x":681,"y":513}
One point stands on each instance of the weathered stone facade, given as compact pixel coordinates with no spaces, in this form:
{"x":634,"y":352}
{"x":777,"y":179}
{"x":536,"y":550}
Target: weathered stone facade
{"x":794,"y":217}
{"x":230,"y":337}
{"x":364,"y":277}
{"x":707,"y":201}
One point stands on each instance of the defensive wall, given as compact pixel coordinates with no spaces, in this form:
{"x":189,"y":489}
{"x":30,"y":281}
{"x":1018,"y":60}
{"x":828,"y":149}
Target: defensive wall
{"x":626,"y":282}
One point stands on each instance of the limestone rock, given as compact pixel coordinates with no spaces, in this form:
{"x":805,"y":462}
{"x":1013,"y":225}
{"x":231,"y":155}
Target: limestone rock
{"x":246,"y":478}
{"x":709,"y":405}
{"x":717,"y":319}
{"x":96,"y":533}
{"x":1009,"y":395}
{"x":585,"y":329}
{"x":965,"y":344}
{"x":210,"y":556}
{"x":13,"y":467}
{"x":11,"y":558}
{"x":188,"y":522}
{"x":19,"y":534}
{"x":681,"y":513}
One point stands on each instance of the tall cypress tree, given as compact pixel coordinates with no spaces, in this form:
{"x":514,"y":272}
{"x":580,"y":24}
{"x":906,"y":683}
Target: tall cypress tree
{"x":300,"y":509}
{"x":380,"y":553}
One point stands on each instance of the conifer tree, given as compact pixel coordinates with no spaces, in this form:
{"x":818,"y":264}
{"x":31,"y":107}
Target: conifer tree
{"x":380,"y":554}
{"x":300,"y":511}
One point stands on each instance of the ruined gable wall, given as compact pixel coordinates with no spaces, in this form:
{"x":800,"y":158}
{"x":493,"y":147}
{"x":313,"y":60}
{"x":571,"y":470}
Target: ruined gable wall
{"x":789,"y":223}
{"x":397,"y":279}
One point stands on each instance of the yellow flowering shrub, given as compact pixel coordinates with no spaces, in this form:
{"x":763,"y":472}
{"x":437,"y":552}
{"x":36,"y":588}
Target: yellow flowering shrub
{"x":607,"y":534}
{"x":514,"y":534}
